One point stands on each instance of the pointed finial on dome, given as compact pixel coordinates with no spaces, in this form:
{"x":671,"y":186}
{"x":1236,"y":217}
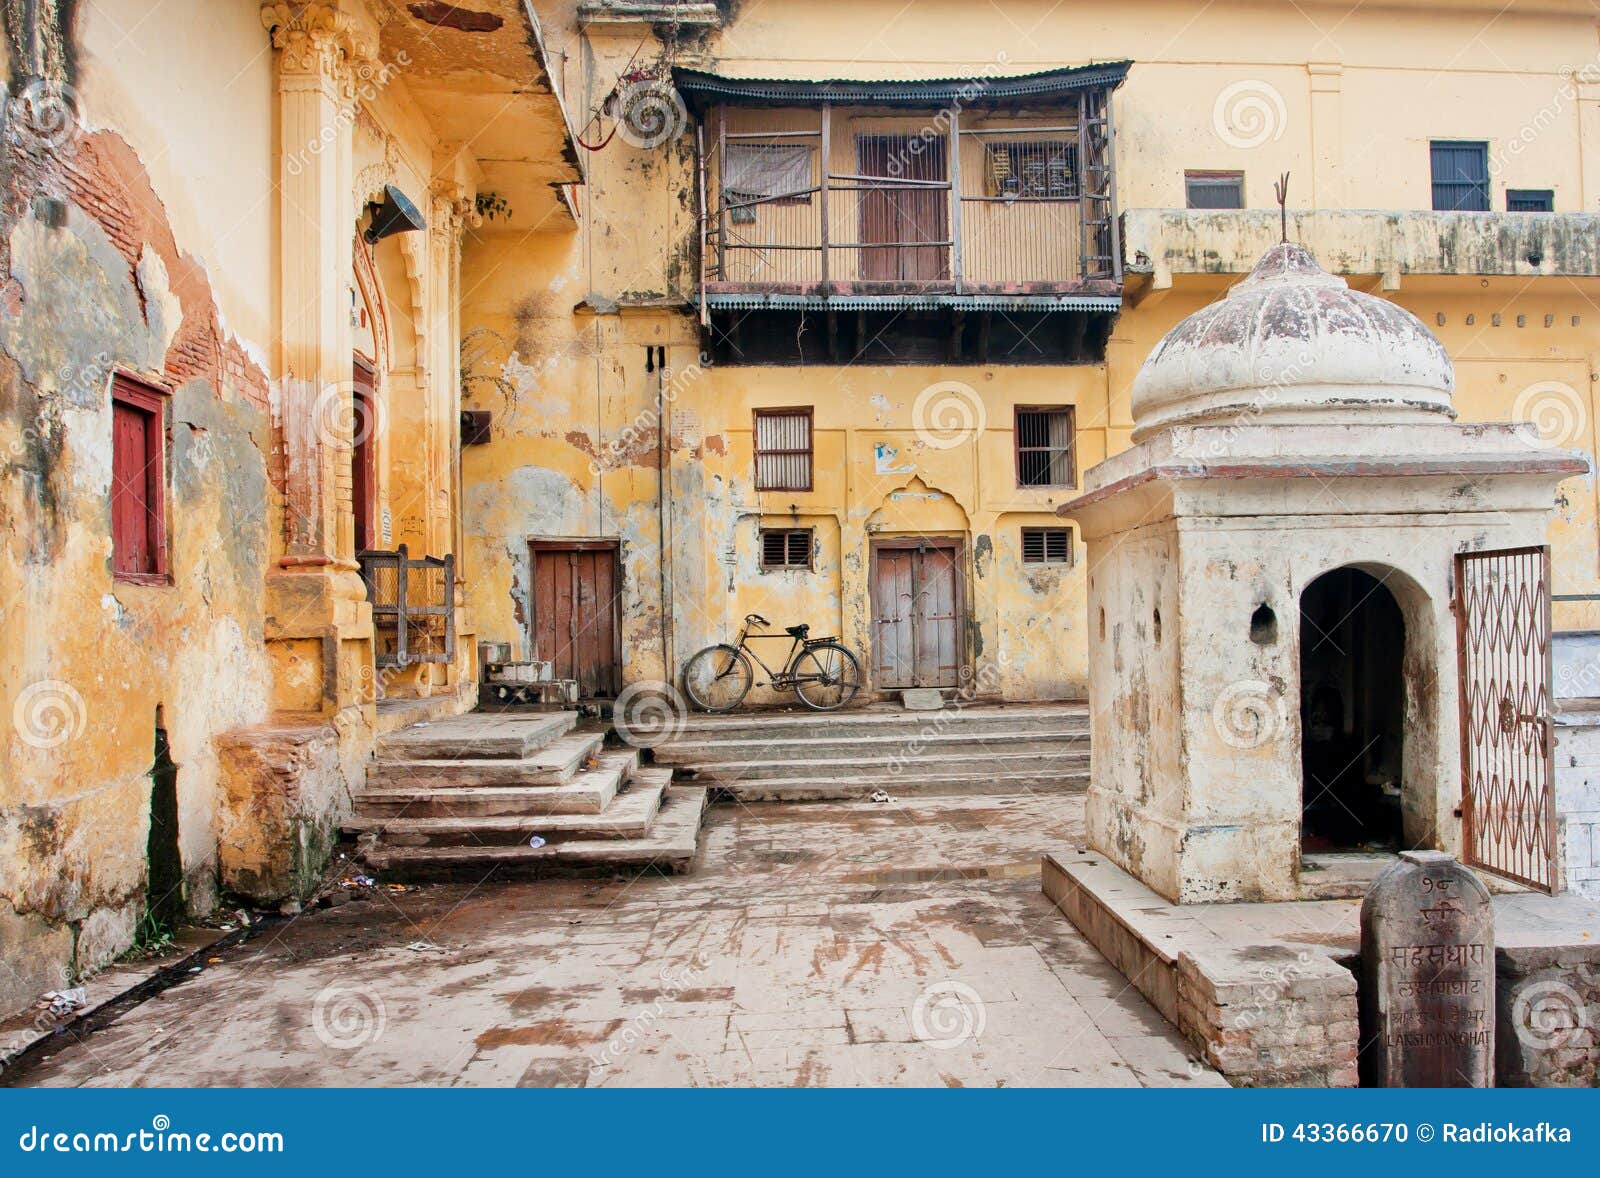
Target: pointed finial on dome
{"x":1281,"y":191}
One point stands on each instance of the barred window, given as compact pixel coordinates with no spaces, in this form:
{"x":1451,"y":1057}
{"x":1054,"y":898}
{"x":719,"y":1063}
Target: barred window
{"x":783,"y":449}
{"x":1044,"y":446}
{"x":1214,"y":190}
{"x":786,"y":548}
{"x":1037,"y":169}
{"x":1046,"y":545}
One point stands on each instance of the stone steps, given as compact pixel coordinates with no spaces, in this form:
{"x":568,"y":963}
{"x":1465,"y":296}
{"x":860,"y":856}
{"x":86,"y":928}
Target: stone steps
{"x":810,"y":749}
{"x":959,"y":761}
{"x":1051,"y":719}
{"x":628,"y":816}
{"x":587,"y":792}
{"x":555,"y":764}
{"x":471,"y":794}
{"x":849,"y":756}
{"x":861,"y":789}
{"x":670,"y":845}
{"x":477,"y":736}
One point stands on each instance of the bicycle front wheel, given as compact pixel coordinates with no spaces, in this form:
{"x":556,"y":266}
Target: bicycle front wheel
{"x":826,"y":676}
{"x":718,"y":678}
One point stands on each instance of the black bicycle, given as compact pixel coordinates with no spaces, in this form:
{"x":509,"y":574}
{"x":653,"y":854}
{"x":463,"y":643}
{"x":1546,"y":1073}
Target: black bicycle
{"x":822,"y":672}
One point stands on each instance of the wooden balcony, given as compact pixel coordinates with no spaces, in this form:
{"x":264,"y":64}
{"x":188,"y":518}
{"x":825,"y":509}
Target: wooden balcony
{"x":976,"y":194}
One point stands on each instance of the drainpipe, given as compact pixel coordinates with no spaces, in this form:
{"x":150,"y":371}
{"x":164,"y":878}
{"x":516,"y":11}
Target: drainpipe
{"x":663,"y":510}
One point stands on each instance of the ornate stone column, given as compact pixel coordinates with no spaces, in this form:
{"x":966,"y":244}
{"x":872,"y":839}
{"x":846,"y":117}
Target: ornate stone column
{"x":316,"y":604}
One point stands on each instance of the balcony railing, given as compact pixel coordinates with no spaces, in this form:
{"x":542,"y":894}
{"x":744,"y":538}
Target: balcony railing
{"x":857,"y":201}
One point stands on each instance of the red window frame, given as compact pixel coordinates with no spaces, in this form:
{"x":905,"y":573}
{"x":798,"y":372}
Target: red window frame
{"x":132,"y":394}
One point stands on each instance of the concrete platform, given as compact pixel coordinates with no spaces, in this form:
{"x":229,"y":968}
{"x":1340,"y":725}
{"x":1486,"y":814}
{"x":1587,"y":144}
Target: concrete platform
{"x":1266,"y":991}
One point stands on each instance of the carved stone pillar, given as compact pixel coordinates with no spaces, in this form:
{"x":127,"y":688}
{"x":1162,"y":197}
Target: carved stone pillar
{"x":318,"y":619}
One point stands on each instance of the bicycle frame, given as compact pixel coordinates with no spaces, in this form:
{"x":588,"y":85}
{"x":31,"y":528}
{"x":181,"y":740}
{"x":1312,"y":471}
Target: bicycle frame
{"x":783,"y":679}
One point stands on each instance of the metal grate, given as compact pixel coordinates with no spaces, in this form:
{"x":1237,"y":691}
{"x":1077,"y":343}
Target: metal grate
{"x":1508,"y":803}
{"x":1046,"y":545}
{"x":1460,"y":176}
{"x":413,"y":606}
{"x":786,"y":548}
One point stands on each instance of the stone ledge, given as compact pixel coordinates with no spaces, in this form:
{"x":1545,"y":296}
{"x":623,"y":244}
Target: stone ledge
{"x":1266,"y":992}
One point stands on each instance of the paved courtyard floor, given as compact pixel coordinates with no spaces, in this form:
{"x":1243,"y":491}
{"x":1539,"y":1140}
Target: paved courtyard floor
{"x":900,"y":944}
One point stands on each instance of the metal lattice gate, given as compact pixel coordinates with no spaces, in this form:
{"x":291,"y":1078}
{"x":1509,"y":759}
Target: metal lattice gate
{"x":1507,"y":733}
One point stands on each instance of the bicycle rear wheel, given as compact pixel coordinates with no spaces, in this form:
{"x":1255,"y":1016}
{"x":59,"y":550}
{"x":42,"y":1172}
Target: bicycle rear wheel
{"x":826,"y":676}
{"x":717,"y":678}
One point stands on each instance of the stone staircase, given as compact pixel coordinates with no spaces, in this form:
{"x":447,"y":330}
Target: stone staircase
{"x":465,"y":795}
{"x":849,"y":755}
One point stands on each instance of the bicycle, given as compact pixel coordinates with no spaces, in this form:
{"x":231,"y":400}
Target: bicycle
{"x":822,"y":672}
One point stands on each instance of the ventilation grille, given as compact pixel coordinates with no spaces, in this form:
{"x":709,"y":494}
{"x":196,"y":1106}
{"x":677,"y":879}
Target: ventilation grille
{"x":786,"y":548}
{"x":1046,"y":545}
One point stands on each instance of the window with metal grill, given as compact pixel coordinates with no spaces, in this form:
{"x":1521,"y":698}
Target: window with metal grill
{"x":1046,"y":545}
{"x":786,"y":548}
{"x":138,"y":481}
{"x":1530,"y":200}
{"x":1038,"y":169}
{"x":783,"y":449}
{"x":1460,"y":175}
{"x":1044,"y":446}
{"x":1214,"y":190}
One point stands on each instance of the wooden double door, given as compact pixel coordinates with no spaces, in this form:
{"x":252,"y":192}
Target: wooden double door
{"x":576,"y":587}
{"x":918,"y":614}
{"x":904,"y":209}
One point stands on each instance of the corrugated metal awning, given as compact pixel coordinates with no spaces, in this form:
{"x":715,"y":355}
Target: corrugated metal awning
{"x":702,"y":89}
{"x":787,"y":302}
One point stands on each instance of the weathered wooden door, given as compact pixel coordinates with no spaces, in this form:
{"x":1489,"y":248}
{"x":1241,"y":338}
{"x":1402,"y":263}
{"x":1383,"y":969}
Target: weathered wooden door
{"x":917,"y":616}
{"x":1507,"y":729}
{"x":895,"y":219}
{"x":575,"y":614}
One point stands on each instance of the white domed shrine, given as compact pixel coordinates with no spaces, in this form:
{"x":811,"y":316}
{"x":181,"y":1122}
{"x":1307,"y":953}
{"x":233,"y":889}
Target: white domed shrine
{"x":1292,"y":342}
{"x":1275,"y":571}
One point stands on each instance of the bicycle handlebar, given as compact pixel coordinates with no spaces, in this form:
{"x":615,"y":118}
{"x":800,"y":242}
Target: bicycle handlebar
{"x":757,"y":619}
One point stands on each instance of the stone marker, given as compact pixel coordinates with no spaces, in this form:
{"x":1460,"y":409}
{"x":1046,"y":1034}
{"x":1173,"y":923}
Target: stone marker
{"x":1427,"y":976}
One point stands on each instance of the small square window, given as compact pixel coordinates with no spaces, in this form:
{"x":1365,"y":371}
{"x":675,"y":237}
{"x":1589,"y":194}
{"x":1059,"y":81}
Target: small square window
{"x":1530,"y":200}
{"x":1214,"y":190}
{"x":1044,"y":446}
{"x":1046,"y":545}
{"x":783,"y":449}
{"x":1043,"y":169}
{"x":138,"y":480}
{"x":786,"y":548}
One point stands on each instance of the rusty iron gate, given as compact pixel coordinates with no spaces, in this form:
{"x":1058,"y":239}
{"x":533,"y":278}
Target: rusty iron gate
{"x":1507,"y":731}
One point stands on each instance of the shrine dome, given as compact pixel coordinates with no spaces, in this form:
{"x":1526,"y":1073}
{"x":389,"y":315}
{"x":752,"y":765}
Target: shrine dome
{"x":1289,"y":344}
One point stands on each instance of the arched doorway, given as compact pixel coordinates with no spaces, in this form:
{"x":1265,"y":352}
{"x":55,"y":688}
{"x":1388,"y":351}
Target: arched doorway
{"x":1352,"y":713}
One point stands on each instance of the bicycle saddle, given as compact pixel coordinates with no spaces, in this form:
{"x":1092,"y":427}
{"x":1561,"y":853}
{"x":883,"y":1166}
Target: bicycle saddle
{"x":799,"y":631}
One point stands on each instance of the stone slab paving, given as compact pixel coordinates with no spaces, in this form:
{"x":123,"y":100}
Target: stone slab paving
{"x":858,"y":944}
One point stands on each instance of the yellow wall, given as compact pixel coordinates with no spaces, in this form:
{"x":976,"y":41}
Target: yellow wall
{"x":1348,"y":100}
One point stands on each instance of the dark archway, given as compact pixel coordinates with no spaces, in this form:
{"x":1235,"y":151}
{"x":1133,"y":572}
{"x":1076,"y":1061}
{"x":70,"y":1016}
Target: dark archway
{"x":1352,"y":713}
